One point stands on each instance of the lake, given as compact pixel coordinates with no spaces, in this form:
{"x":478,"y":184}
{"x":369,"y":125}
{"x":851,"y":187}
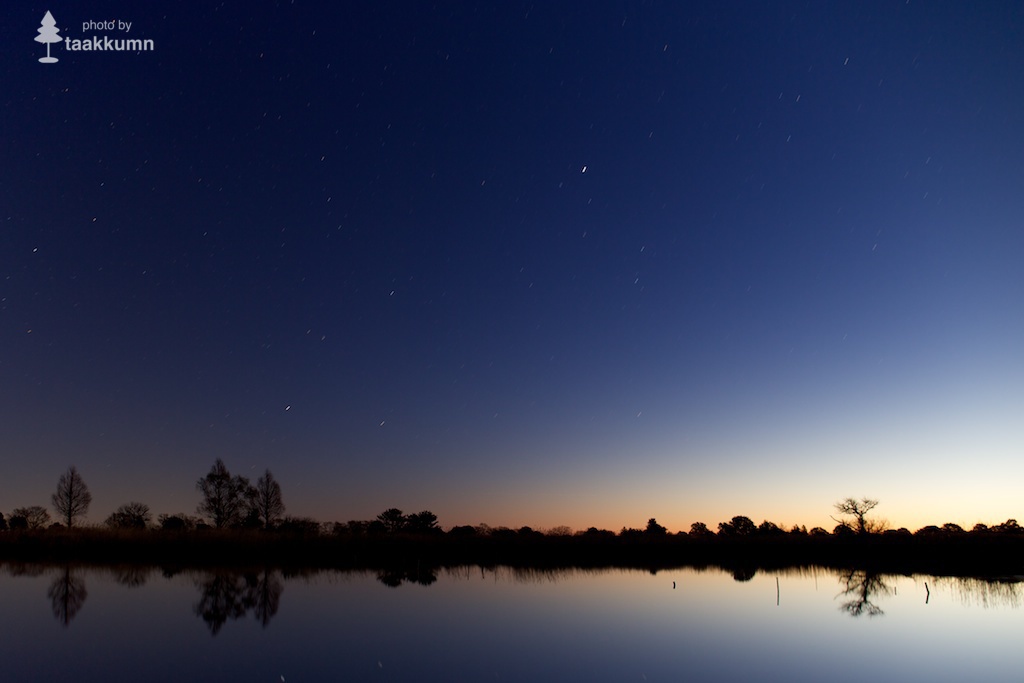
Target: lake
{"x":503,"y":624}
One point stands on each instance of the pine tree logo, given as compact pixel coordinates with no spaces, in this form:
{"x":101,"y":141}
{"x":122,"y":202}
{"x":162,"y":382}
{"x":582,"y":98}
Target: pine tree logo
{"x":48,"y":33}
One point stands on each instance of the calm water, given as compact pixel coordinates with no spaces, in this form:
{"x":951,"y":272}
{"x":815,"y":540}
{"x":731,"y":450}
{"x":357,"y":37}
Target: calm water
{"x":80,"y":625}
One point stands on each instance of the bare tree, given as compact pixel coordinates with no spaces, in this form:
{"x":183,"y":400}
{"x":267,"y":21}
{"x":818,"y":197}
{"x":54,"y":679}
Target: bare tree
{"x":224,"y":497}
{"x":858,"y":509}
{"x":265,"y":500}
{"x":72,"y":497}
{"x":130,"y":516}
{"x":34,"y":516}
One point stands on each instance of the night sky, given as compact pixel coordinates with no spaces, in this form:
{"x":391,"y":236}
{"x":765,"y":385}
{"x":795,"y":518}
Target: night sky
{"x":542,"y":264}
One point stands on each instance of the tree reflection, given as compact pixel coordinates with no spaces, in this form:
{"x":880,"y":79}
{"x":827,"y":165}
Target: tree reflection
{"x":861,"y":585}
{"x":67,"y":595}
{"x":268,"y":596}
{"x":23,"y":569}
{"x":742,"y":574}
{"x":393,"y":578}
{"x":226,"y":595}
{"x":131,"y":576}
{"x":1007,"y":591}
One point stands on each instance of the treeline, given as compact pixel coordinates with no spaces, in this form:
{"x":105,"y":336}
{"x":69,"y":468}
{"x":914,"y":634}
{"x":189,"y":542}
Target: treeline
{"x":227,"y":502}
{"x":232,"y":503}
{"x":404,"y":550}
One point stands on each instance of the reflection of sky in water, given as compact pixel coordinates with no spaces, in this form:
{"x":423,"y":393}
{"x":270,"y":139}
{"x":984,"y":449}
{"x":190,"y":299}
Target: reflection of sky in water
{"x":474,"y":625}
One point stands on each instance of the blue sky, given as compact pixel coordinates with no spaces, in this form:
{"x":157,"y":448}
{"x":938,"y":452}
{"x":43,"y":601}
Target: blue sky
{"x":520,"y":264}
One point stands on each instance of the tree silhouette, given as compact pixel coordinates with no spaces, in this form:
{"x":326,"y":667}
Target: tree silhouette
{"x":178,"y":522}
{"x":300,"y":526}
{"x":35,"y":517}
{"x":224,"y":497}
{"x":266,"y":500}
{"x":655,"y":529}
{"x":67,"y":595}
{"x":393,"y":520}
{"x":422,"y":523}
{"x":700,"y":529}
{"x":737,"y":526}
{"x":129,"y":516}
{"x":72,"y":498}
{"x":858,"y":509}
{"x":1010,"y":526}
{"x":767,"y":528}
{"x":48,"y":33}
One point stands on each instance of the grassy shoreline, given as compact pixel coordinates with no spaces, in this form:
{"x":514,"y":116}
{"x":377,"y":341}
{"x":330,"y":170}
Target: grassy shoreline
{"x":962,"y":554}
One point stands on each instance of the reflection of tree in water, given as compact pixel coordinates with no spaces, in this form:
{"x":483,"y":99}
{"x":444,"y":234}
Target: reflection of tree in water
{"x":268,"y":597}
{"x":861,"y":585}
{"x":132,"y":577}
{"x":986,"y":593}
{"x":742,"y":574}
{"x":222,"y":597}
{"x":67,"y":595}
{"x":526,"y":575}
{"x":393,"y":578}
{"x":226,"y":596}
{"x":23,"y":569}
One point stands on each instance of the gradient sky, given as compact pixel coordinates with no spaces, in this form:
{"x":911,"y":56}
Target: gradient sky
{"x":519,"y":263}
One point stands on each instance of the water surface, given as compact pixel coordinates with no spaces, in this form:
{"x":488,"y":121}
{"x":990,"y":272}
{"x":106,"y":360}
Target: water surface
{"x":469,"y":624}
